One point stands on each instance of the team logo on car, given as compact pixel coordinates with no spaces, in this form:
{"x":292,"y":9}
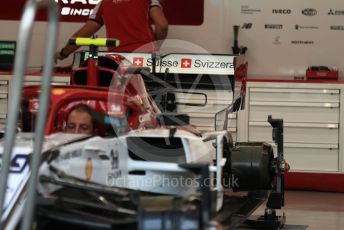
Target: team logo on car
{"x":186,"y":62}
{"x":18,"y":163}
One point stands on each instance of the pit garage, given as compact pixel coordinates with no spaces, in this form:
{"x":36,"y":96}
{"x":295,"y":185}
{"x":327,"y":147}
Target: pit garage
{"x":217,"y":129}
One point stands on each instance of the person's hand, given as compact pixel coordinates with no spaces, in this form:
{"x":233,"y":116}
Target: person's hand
{"x":60,"y":56}
{"x":57,"y":57}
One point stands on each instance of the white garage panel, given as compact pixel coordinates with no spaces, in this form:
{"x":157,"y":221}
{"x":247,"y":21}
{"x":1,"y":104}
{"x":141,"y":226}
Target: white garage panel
{"x":3,"y":105}
{"x":310,"y":158}
{"x":295,"y":112}
{"x":294,"y":95}
{"x":296,"y":132}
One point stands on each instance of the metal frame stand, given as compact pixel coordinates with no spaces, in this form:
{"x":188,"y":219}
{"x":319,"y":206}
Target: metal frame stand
{"x":270,"y":219}
{"x":24,"y":38}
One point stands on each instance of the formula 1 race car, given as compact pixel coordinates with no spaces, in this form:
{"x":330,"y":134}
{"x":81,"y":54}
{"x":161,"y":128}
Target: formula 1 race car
{"x":144,"y":169}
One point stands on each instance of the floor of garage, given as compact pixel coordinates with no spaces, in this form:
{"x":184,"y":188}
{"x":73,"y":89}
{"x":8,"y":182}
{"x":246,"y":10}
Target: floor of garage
{"x":318,"y":210}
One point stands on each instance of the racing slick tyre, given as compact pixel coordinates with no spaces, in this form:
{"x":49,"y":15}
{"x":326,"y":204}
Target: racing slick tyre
{"x":250,"y":167}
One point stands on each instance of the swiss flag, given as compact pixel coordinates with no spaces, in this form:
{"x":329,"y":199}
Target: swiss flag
{"x":138,"y":61}
{"x":186,"y":62}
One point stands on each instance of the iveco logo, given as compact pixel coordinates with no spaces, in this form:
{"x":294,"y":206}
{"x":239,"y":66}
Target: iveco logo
{"x":281,"y":11}
{"x":309,"y":12}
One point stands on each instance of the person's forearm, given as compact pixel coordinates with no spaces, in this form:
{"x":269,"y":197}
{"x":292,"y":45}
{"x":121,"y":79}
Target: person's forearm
{"x":68,"y":49}
{"x":160,"y":23}
{"x":161,"y":33}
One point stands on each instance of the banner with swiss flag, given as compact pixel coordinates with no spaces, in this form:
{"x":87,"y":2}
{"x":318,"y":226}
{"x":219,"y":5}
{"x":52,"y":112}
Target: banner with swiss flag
{"x":186,"y":62}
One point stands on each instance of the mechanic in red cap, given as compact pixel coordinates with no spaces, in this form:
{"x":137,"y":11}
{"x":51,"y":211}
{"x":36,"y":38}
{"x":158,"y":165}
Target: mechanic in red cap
{"x":128,"y":21}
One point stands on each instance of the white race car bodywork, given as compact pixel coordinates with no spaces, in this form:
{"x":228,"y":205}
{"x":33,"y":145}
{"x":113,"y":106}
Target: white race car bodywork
{"x":108,"y":162}
{"x":19,"y":172}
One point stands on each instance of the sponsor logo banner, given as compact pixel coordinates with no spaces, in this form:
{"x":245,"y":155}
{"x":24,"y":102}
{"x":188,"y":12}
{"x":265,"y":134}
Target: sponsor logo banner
{"x":336,"y":12}
{"x":274,"y":26}
{"x":281,"y":11}
{"x":190,"y":12}
{"x":18,"y":175}
{"x":18,"y":163}
{"x":247,"y":25}
{"x":300,"y":42}
{"x":300,"y":27}
{"x":138,"y":61}
{"x":336,"y":27}
{"x":309,"y":12}
{"x":184,"y":63}
{"x":245,"y":9}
